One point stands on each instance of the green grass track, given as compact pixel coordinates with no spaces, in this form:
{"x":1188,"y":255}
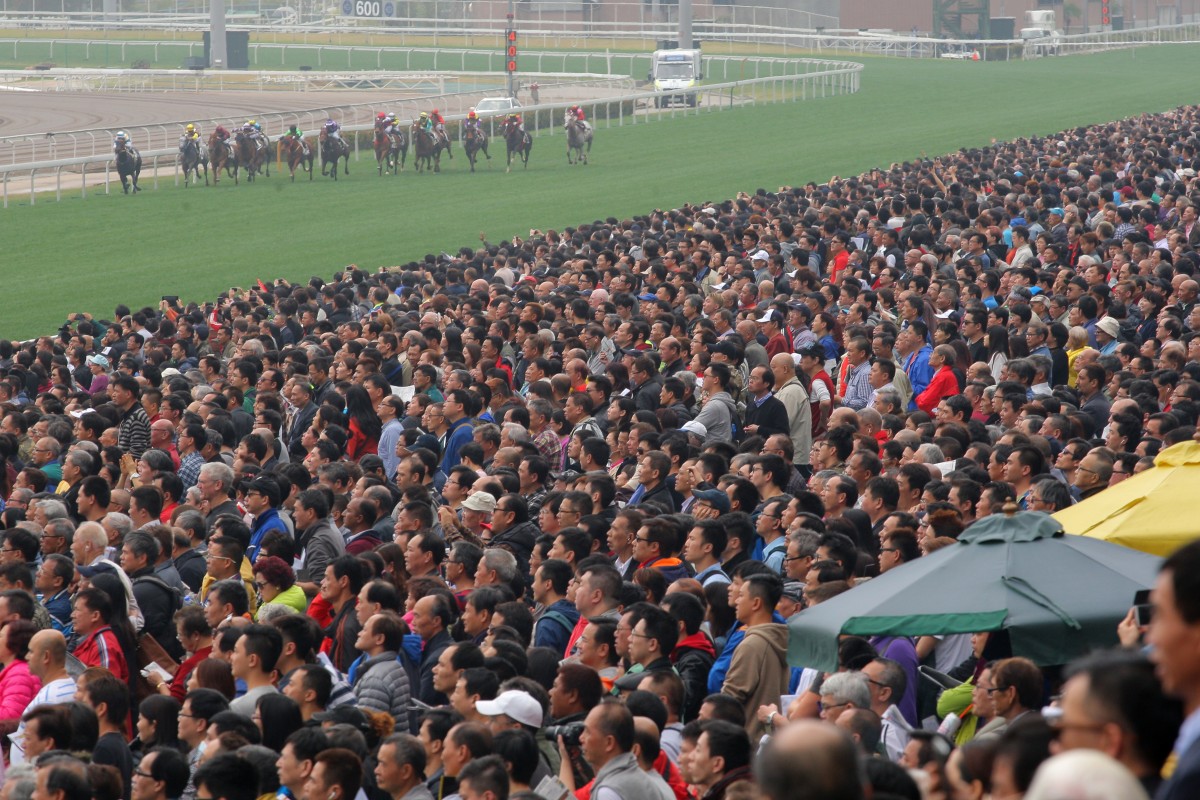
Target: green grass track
{"x":89,"y":254}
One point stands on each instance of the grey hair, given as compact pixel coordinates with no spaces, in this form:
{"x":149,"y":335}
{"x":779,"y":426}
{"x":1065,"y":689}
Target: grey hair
{"x":81,"y":459}
{"x":502,"y":562}
{"x":220,"y":472}
{"x":53,"y":509}
{"x":931,"y":454}
{"x":848,"y":687}
{"x":191,"y":521}
{"x":158,"y":460}
{"x":542,"y":406}
{"x":269,"y":611}
{"x":891,"y":396}
{"x":517,"y":434}
{"x":119,"y":522}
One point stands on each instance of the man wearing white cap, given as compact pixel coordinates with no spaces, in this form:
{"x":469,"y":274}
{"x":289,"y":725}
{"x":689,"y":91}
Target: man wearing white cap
{"x":772,"y":325}
{"x":511,"y":709}
{"x":1107,"y":332}
{"x":477,"y":512}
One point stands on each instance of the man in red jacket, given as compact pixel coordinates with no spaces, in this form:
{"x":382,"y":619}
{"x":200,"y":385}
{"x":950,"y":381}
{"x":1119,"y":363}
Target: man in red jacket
{"x":943,"y":384}
{"x":98,"y":646}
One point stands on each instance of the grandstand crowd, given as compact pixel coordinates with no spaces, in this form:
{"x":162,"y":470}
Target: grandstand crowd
{"x":530,"y":519}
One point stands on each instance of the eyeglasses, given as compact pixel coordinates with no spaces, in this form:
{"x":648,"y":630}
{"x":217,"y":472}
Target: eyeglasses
{"x":141,"y":774}
{"x":641,"y":539}
{"x":211,"y":557}
{"x":640,"y":635}
{"x":995,"y":689}
{"x":831,"y":706}
{"x":889,"y":549}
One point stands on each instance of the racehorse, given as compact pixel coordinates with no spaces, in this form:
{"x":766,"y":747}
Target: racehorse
{"x":247,"y":156}
{"x":220,"y":153}
{"x":391,"y":149}
{"x":475,"y":140}
{"x":331,"y":150}
{"x":298,"y":154}
{"x":193,"y":156}
{"x":129,"y":166}
{"x":518,"y":142}
{"x":426,"y":148}
{"x":579,"y":136}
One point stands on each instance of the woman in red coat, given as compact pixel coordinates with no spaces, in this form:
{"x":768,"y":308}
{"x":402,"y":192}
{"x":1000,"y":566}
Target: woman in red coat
{"x":943,"y":384}
{"x":362,"y":423}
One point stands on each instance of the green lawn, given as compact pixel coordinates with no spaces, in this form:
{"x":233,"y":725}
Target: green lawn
{"x":90,"y":254}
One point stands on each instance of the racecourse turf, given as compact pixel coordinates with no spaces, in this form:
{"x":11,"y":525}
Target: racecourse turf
{"x":88,"y":255}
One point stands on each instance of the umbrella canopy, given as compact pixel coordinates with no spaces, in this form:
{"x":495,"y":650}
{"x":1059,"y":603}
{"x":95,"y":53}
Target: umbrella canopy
{"x":1058,"y":596}
{"x":1149,"y":511}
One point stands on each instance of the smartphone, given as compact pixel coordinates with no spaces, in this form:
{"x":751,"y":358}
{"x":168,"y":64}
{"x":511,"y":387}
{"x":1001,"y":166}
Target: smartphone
{"x":171,"y":298}
{"x":1142,"y":608}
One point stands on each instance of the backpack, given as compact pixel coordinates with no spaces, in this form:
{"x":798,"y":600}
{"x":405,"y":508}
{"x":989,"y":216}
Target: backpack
{"x":176,"y":597}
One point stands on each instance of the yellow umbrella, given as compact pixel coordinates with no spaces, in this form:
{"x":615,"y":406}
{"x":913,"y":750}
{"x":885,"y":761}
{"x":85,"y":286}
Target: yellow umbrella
{"x":1151,"y":511}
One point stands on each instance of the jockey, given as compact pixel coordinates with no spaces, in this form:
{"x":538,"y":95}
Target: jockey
{"x":439,"y":126}
{"x":332,"y":130}
{"x":472,"y":120}
{"x":381,"y":118}
{"x":391,"y":124}
{"x":254,"y":132}
{"x":424,"y":123}
{"x":122,"y":142}
{"x":294,"y":131}
{"x":191,"y":134}
{"x":577,"y":113}
{"x":516,"y":120}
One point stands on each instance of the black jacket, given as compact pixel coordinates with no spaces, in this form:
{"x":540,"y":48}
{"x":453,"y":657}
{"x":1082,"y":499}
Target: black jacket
{"x":191,"y":567}
{"x":646,"y":396}
{"x":518,"y":540}
{"x":693,"y":666}
{"x":771,"y":417}
{"x":158,"y":603}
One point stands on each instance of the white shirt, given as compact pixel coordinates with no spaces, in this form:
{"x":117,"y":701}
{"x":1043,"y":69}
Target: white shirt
{"x":60,"y":690}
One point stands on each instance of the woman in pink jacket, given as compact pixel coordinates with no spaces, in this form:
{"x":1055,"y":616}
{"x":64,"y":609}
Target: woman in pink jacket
{"x":17,"y":684}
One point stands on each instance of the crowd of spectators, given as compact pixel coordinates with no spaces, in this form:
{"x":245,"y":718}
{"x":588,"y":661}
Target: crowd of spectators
{"x":533,"y":516}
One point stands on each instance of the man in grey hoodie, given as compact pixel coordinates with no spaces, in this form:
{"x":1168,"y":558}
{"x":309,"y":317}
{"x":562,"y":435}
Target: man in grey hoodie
{"x":719,"y":412}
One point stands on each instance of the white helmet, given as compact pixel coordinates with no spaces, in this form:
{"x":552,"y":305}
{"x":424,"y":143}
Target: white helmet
{"x":121,"y":135}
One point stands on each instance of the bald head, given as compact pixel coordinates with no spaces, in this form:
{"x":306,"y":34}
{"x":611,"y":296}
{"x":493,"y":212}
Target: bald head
{"x":47,"y":654}
{"x":645,"y":733}
{"x":784,"y":368}
{"x":810,"y":760}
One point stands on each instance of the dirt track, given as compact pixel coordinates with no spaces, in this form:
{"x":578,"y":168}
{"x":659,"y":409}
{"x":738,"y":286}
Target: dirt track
{"x":23,"y":113}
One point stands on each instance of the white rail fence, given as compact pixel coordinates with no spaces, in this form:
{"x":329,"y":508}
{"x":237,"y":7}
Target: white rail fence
{"x":632,"y":108}
{"x":385,"y":49}
{"x":590,"y":73}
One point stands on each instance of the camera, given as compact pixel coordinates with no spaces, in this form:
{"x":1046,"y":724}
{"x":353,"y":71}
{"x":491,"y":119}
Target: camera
{"x":570,"y":733}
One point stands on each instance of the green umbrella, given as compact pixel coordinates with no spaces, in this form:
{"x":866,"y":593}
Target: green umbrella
{"x":1058,"y":596}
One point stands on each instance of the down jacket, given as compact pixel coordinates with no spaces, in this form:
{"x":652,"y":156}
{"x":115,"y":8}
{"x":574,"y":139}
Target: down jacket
{"x":17,"y":688}
{"x":382,"y":685}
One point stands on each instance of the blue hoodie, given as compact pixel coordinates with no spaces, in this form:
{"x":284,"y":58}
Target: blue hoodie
{"x":716,"y":677}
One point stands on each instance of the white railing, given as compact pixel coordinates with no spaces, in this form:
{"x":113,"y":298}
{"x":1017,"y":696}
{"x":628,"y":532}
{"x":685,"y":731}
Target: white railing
{"x":582,"y":71}
{"x":30,"y":148}
{"x":453,"y":47}
{"x":632,"y":108}
{"x":430,"y":14}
